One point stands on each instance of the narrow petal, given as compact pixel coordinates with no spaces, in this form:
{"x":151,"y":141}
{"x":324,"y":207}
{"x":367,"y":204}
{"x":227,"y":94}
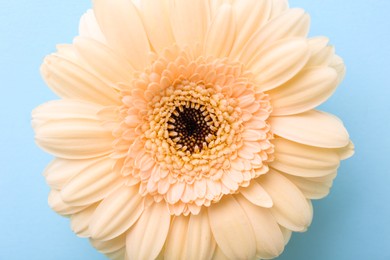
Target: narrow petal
{"x":123,"y":29}
{"x":60,"y":171}
{"x":80,"y":221}
{"x":305,"y":91}
{"x":175,"y":247}
{"x":71,"y":130}
{"x":58,"y":205}
{"x":292,"y":23}
{"x":322,"y":58}
{"x":313,"y":128}
{"x":291,"y":208}
{"x":220,"y":36}
{"x":147,"y":237}
{"x":250,"y":16}
{"x":313,"y":188}
{"x":109,"y":246}
{"x":70,"y":80}
{"x":232,"y":229}
{"x":117,"y":213}
{"x":215,"y":5}
{"x":68,"y":52}
{"x":269,"y":238}
{"x":286,"y":234}
{"x":257,"y":195}
{"x":190,"y":21}
{"x":316,"y":44}
{"x":106,"y":64}
{"x":92,"y":184}
{"x":157,"y":23}
{"x":347,"y":151}
{"x":118,"y":255}
{"x":200,"y":241}
{"x":302,"y":160}
{"x":338,"y":64}
{"x":64,"y":109}
{"x":89,"y":27}
{"x":291,"y":56}
{"x":278,"y":7}
{"x":219,"y":255}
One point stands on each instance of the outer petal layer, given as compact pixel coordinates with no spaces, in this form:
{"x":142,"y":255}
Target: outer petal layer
{"x":238,"y":240}
{"x":123,"y":29}
{"x":313,"y":128}
{"x":302,"y":160}
{"x":71,"y":130}
{"x":117,"y":213}
{"x":70,"y":80}
{"x":305,"y":91}
{"x":291,"y":208}
{"x":147,"y":237}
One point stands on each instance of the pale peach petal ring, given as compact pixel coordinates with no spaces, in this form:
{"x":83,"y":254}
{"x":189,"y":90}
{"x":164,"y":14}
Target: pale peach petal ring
{"x":187,"y":129}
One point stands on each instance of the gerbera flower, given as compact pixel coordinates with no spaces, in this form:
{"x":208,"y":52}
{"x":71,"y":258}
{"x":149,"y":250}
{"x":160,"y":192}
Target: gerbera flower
{"x":187,"y":129}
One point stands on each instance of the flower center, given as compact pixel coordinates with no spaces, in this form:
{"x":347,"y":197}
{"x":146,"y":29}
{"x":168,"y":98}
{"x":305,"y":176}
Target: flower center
{"x":192,"y":131}
{"x":190,"y":127}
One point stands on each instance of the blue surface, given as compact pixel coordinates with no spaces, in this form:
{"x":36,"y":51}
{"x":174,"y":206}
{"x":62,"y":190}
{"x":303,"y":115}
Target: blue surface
{"x":351,"y":223}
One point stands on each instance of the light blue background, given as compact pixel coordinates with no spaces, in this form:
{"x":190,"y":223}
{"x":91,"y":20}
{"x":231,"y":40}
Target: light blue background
{"x":353,"y":222}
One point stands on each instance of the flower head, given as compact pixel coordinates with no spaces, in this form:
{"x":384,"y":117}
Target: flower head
{"x":187,"y":129}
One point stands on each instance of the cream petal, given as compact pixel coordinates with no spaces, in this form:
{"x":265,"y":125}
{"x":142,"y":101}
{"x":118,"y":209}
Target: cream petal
{"x":190,"y":21}
{"x":92,"y":184}
{"x":252,"y":135}
{"x":292,"y":23}
{"x":347,"y":151}
{"x":313,"y":188}
{"x":118,"y":255}
{"x":315,"y":128}
{"x":58,"y":205}
{"x":305,"y":91}
{"x":116,"y":213}
{"x":146,"y":238}
{"x":157,"y":24}
{"x":106,"y":64}
{"x":109,"y":246}
{"x":214,"y":6}
{"x":200,"y":241}
{"x":175,"y":192}
{"x":286,"y":234}
{"x":228,"y":181}
{"x":290,"y":208}
{"x":250,"y":16}
{"x":302,"y":160}
{"x":123,"y":29}
{"x":70,"y":80}
{"x":110,"y":118}
{"x":316,"y":44}
{"x":70,"y":129}
{"x":88,"y":27}
{"x":338,"y":64}
{"x":291,"y":56}
{"x":175,"y":247}
{"x":60,"y":171}
{"x":278,"y":7}
{"x":322,"y":58}
{"x":64,"y":109}
{"x":269,"y":238}
{"x":232,"y":229}
{"x":67,"y":51}
{"x":220,"y":36}
{"x":80,"y":221}
{"x":257,"y":195}
{"x":200,"y":188}
{"x":219,"y":255}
